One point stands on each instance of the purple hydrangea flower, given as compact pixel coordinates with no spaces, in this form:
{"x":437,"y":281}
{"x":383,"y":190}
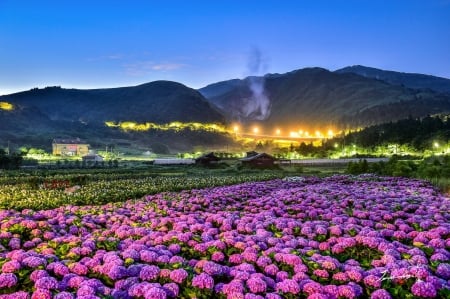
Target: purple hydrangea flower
{"x":443,"y":270}
{"x":172,"y":289}
{"x":64,"y":295}
{"x":423,"y":289}
{"x":8,"y":280}
{"x":178,"y":275}
{"x":203,"y":281}
{"x":149,"y":273}
{"x":155,"y":293}
{"x":48,"y":283}
{"x":380,"y":294}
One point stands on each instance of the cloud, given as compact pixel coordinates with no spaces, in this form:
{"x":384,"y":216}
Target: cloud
{"x":142,"y":68}
{"x":167,"y":66}
{"x":106,"y":57}
{"x":114,"y":56}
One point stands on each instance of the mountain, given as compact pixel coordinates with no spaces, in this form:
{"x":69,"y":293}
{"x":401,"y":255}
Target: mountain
{"x":158,"y":102}
{"x":411,"y":80}
{"x":316,"y":98}
{"x":42,"y":114}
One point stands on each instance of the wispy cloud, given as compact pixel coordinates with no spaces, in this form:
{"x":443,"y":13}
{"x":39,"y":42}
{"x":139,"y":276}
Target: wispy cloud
{"x":142,"y":68}
{"x":115,"y":56}
{"x":107,"y":57}
{"x":167,"y":66}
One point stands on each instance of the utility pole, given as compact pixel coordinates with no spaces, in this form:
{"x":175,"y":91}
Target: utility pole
{"x":7,"y":149}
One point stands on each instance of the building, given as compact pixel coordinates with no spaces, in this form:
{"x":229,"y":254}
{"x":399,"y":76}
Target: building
{"x":92,"y":158}
{"x":261,"y":160}
{"x":69,"y":147}
{"x":207,"y":159}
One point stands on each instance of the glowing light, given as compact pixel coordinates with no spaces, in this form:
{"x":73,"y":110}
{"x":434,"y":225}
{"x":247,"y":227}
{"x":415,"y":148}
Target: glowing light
{"x":336,"y":145}
{"x":235,"y":129}
{"x":255,"y":130}
{"x":6,"y":106}
{"x":294,"y":135}
{"x":330,"y":133}
{"x":173,"y":126}
{"x":436,"y":144}
{"x":278,"y":132}
{"x":306,"y":134}
{"x":318,"y":134}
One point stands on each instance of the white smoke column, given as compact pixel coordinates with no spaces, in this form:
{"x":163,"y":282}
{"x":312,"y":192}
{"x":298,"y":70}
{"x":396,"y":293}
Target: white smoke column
{"x":258,"y":106}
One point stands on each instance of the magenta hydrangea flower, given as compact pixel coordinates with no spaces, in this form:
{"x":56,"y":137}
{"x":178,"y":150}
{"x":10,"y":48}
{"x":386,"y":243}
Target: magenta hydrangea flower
{"x":346,"y":291}
{"x":288,"y":286}
{"x":312,"y":287}
{"x":11,"y":266}
{"x":41,"y":294}
{"x":234,"y":286}
{"x":372,"y":281}
{"x":256,"y":285}
{"x":178,"y":275}
{"x":78,"y":268}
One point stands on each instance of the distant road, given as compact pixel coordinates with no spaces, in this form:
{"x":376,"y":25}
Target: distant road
{"x":335,"y":161}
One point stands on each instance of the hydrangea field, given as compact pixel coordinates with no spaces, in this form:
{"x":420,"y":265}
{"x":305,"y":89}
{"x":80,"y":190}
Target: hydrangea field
{"x":335,"y":237}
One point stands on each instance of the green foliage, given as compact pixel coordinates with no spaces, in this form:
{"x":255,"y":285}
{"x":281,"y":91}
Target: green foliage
{"x":435,"y":169}
{"x":13,"y":161}
{"x":110,"y":185}
{"x":419,"y":133}
{"x":160,"y":148}
{"x":358,"y":167}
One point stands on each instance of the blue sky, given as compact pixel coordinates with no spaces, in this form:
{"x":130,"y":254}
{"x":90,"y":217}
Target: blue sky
{"x":95,"y":44}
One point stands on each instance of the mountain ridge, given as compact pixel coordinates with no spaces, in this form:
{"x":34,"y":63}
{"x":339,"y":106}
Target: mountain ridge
{"x":308,"y":98}
{"x":411,"y":80}
{"x":326,"y":98}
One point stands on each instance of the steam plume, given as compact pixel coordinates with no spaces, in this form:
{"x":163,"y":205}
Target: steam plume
{"x":257,"y":106}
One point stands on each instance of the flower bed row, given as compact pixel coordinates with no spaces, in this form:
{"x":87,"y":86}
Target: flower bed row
{"x":338,"y":237}
{"x":109,"y":188}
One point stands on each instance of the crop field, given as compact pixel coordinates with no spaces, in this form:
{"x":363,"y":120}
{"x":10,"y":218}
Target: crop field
{"x":50,"y":190}
{"x":299,"y":237}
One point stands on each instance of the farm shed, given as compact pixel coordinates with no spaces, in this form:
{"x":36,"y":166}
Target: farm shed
{"x":259,"y":160}
{"x":207,"y":159}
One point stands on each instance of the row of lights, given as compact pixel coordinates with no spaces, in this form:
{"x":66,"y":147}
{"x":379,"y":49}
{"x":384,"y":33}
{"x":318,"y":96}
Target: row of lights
{"x":298,"y":134}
